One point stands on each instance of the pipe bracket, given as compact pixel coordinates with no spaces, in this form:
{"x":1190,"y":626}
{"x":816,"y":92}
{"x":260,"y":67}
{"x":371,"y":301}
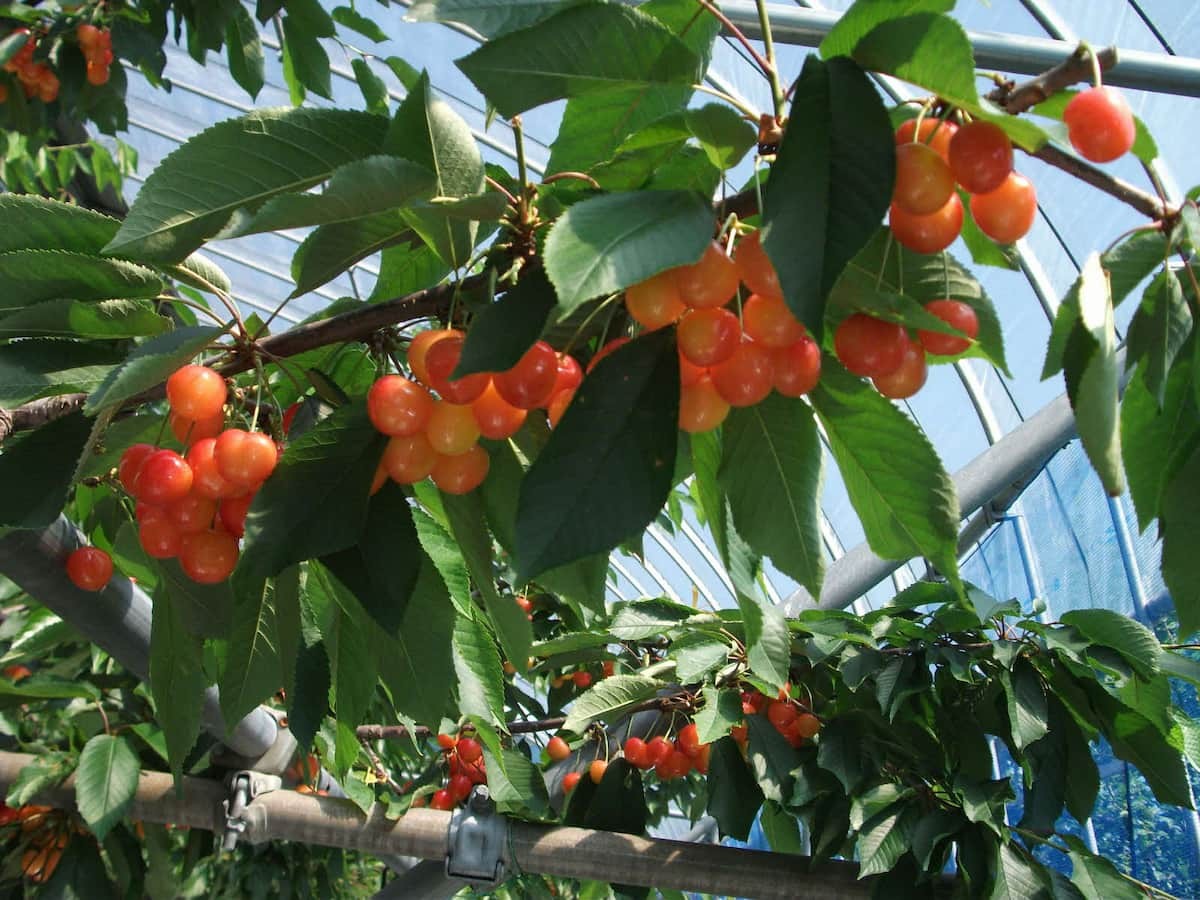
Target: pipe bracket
{"x":477,"y":841}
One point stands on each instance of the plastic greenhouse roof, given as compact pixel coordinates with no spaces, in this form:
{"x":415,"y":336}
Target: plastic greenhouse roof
{"x":963,"y":409}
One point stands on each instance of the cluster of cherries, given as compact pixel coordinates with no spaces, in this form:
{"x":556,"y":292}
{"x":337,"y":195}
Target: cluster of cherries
{"x":37,"y":78}
{"x":726,"y":360}
{"x":465,"y":768}
{"x":96,"y":45}
{"x":194,"y":507}
{"x":795,"y":723}
{"x":669,"y":759}
{"x":48,"y":832}
{"x":439,"y":436}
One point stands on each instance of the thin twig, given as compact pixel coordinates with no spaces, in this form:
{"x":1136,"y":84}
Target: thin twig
{"x":766,"y":67}
{"x":764,"y":22}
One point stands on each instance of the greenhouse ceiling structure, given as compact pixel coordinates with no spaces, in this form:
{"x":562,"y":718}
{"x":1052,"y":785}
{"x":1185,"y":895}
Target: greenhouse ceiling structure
{"x":1036,"y":522}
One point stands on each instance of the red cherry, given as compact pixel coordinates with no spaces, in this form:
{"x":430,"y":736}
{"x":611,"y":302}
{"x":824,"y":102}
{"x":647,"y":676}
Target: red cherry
{"x":610,"y":347}
{"x":688,"y":740}
{"x":689,"y":372}
{"x":710,"y":282}
{"x":159,"y":537}
{"x":637,"y":754}
{"x":447,"y":741}
{"x":700,"y":763}
{"x":88,"y":37}
{"x":463,"y":473}
{"x":923,"y":180}
{"x":753,"y":702}
{"x":497,"y":419}
{"x":677,"y":765}
{"x":144,"y":512}
{"x":797,"y":368}
{"x":131,"y":464}
{"x":781,"y":713}
{"x":557,"y":749}
{"x":97,"y":74}
{"x":570,"y":781}
{"x":708,"y":336}
{"x":582,"y":679}
{"x":418,"y":349}
{"x":792,"y":734}
{"x":469,"y":749}
{"x":755,"y":269}
{"x":658,"y":749}
{"x":746,"y":377}
{"x":192,"y":513}
{"x":452,"y":429}
{"x":245,"y":458}
{"x":408,"y":460}
{"x":459,"y":787}
{"x":208,"y":481}
{"x":655,"y":302}
{"x":233,"y":513}
{"x":440,"y":362}
{"x":869,"y":346}
{"x":1100,"y":124}
{"x":208,"y":557}
{"x":188,"y":431}
{"x":196,"y":392}
{"x":981,"y":156}
{"x":740,"y":733}
{"x":1007,"y":213}
{"x":89,"y":568}
{"x":164,"y":478}
{"x":570,"y":375}
{"x":936,"y":133}
{"x":529,"y":383}
{"x":906,"y":380}
{"x":558,"y":405}
{"x":770,"y":322}
{"x":807,"y":725}
{"x":397,"y":406}
{"x":956,"y":314}
{"x":928,"y":234}
{"x":701,"y":407}
{"x":597,"y":769}
{"x":442,"y":800}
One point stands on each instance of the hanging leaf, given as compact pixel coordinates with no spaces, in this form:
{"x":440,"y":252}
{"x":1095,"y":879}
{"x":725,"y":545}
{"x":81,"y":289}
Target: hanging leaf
{"x":1158,"y":331}
{"x":150,"y":364}
{"x":240,"y":163}
{"x":583,"y":49}
{"x":607,"y":243}
{"x":253,"y":670}
{"x":477,"y":668}
{"x":244,"y":51}
{"x":347,"y":17}
{"x":1028,"y":715}
{"x":895,"y":480}
{"x":308,"y":701}
{"x":490,"y":18}
{"x":722,"y":710}
{"x":620,"y":429}
{"x":768,"y":641}
{"x":501,"y":332}
{"x":35,"y":471}
{"x":609,"y":699}
{"x":106,"y":782}
{"x":830,"y":185}
{"x":177,"y":680}
{"x":734,"y":797}
{"x":330,"y":250}
{"x":724,"y":136}
{"x":771,"y":474}
{"x":1180,"y":517}
{"x":405,"y":269}
{"x":30,"y":222}
{"x":374,"y":89}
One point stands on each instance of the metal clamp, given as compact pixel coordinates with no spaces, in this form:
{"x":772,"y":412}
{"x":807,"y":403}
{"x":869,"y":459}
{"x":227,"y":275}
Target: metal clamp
{"x":477,"y":841}
{"x":244,"y":786}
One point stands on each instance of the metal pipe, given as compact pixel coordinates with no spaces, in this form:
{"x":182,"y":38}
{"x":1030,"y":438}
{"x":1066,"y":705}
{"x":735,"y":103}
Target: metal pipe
{"x":1017,"y":54}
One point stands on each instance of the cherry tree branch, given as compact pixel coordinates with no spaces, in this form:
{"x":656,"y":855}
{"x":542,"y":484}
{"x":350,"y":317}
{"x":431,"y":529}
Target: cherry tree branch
{"x":1017,"y":98}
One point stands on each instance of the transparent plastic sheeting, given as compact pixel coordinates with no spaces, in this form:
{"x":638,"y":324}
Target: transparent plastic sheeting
{"x":1065,"y":544}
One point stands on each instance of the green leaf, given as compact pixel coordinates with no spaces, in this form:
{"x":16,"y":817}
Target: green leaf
{"x":308,"y":59}
{"x":28,"y":277}
{"x":884,"y":839}
{"x":583,"y":49}
{"x":46,"y":770}
{"x":490,"y":18}
{"x":200,"y":272}
{"x":771,"y":759}
{"x":862,"y":18}
{"x":1133,"y":640}
{"x":1028,"y":716}
{"x":608,"y":700}
{"x":150,"y":364}
{"x":405,"y":269}
{"x":36,"y":471}
{"x":502,"y":331}
{"x":609,"y":242}
{"x":1095,"y":876}
{"x":840,"y":752}
{"x":895,"y":480}
{"x":74,"y":318}
{"x":781,"y":829}
{"x":621,"y":429}
{"x":356,"y":21}
{"x":240,"y":163}
{"x":1157,"y":441}
{"x":724,"y":136}
{"x":698,"y":654}
{"x":315,"y":502}
{"x":446,"y":557}
{"x":381,"y":570}
{"x":308,"y":702}
{"x":619,"y":801}
{"x":477,"y":666}
{"x":926,"y":49}
{"x":771,"y":474}
{"x":1158,"y":331}
{"x":1137,"y":740}
{"x":79,"y":874}
{"x":30,"y":222}
{"x":469,"y":528}
{"x":1017,"y":876}
{"x":44,"y":367}
{"x":768,"y":641}
{"x":1180,"y":519}
{"x":206,"y":610}
{"x":106,"y":782}
{"x":930,"y":831}
{"x":722,"y":710}
{"x":830,"y":185}
{"x":734,"y":797}
{"x":355,"y":190}
{"x":428,"y":132}
{"x":177,"y":680}
{"x":253,"y":670}
{"x":244,"y":51}
{"x":330,"y":250}
{"x":373,"y":88}
{"x":644,"y":619}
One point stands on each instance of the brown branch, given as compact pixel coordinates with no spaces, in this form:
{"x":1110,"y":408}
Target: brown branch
{"x":1146,"y":204}
{"x":1016,"y":98}
{"x":37,"y":413}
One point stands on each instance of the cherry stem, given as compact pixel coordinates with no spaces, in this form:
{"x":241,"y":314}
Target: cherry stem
{"x":1095,"y":62}
{"x":767,"y":69}
{"x":741,"y":107}
{"x":501,"y":189}
{"x":772,"y":71}
{"x":577,"y":176}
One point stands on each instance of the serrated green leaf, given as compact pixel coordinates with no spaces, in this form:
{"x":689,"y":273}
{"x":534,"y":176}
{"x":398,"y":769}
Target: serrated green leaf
{"x":722,"y":710}
{"x":771,"y":474}
{"x":771,"y":759}
{"x":1095,"y":876}
{"x":502,"y":331}
{"x":308,"y":703}
{"x":1028,"y":715}
{"x":862,"y":18}
{"x":607,"y":243}
{"x":29,"y":277}
{"x":36,"y":471}
{"x":30,"y":222}
{"x":79,"y":319}
{"x":106,"y":779}
{"x":330,"y":250}
{"x":150,"y":364}
{"x":315,"y":502}
{"x":1130,"y":638}
{"x":405,"y":269}
{"x":243,"y":48}
{"x":236,"y":164}
{"x":768,"y":641}
{"x":206,"y":610}
{"x":309,"y":63}
{"x":724,"y":136}
{"x":1179,"y":519}
{"x":177,"y":680}
{"x":884,"y":839}
{"x":477,"y":666}
{"x":583,"y":49}
{"x":647,"y":618}
{"x":46,"y":367}
{"x":896,"y":482}
{"x":830,"y":185}
{"x":490,"y":18}
{"x":620,"y":429}
{"x":446,"y":557}
{"x":1017,"y":876}
{"x":734,"y":797}
{"x":45,"y":770}
{"x":373,"y":88}
{"x":608,"y":700}
{"x":1159,"y":329}
{"x":253,"y":669}
{"x":698,"y":654}
{"x":356,"y":21}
